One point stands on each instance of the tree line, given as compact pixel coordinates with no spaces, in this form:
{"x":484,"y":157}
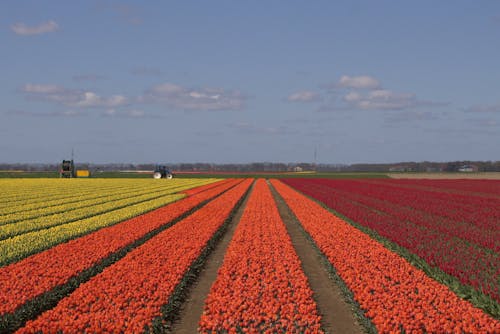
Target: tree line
{"x":425,"y":166}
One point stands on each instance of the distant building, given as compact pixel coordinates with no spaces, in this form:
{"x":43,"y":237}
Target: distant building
{"x":468,"y":168}
{"x":400,"y":168}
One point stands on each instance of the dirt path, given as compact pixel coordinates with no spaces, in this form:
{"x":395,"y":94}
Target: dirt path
{"x":337,"y":316}
{"x":191,"y":310}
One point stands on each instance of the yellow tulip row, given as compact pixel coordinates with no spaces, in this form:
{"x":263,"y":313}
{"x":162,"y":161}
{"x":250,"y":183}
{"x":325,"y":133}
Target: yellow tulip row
{"x":37,"y":223}
{"x":87,"y":204}
{"x":18,"y":247}
{"x":37,"y":189}
{"x":16,"y":192}
{"x":30,"y":242}
{"x":26,"y":204}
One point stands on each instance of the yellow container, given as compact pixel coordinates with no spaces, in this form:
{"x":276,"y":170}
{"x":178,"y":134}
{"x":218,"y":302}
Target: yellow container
{"x":82,"y":173}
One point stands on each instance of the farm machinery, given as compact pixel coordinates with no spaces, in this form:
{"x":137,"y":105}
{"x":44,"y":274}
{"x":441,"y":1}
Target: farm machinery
{"x":162,"y":172}
{"x":67,"y":169}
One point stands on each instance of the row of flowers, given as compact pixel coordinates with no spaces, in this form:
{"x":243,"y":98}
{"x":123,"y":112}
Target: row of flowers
{"x":21,"y":246}
{"x":479,"y":187}
{"x":74,"y":214}
{"x":396,"y":296}
{"x":21,"y":202}
{"x":99,"y":196}
{"x":28,"y":278}
{"x":20,"y":194}
{"x":402,"y":204}
{"x":458,"y":248}
{"x":127,"y":295}
{"x":261,"y":286}
{"x":202,"y":188}
{"x":472,"y":208}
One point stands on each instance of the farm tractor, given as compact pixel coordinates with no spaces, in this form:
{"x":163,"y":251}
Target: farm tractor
{"x":67,"y":169}
{"x":162,"y":172}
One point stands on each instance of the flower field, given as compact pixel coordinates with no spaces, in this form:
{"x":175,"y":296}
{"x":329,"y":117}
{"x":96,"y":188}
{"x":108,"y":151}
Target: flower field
{"x":130,"y":293}
{"x":123,"y":255}
{"x":394,"y":294}
{"x":454,"y":229}
{"x":261,"y":286}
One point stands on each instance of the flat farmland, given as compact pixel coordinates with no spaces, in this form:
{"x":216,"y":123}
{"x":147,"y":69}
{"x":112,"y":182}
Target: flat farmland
{"x":249,"y":255}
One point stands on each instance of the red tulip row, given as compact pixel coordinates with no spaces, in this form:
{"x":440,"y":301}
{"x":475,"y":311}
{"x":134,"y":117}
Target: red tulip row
{"x":458,"y":247}
{"x":32,"y":276}
{"x":396,"y":296}
{"x":404,"y":203}
{"x":484,"y":188}
{"x":127,"y":295}
{"x":477,"y":211}
{"x":260,"y":287}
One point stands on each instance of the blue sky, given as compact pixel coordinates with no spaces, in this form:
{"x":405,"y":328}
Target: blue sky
{"x":234,"y":81}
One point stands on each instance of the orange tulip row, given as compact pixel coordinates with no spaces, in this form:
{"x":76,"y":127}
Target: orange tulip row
{"x":127,"y":295}
{"x":260,"y":287}
{"x":196,"y":190}
{"x":42,"y":272}
{"x":394,"y":295}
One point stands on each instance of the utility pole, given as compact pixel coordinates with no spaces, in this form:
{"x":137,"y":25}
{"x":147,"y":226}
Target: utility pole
{"x":315,"y":157}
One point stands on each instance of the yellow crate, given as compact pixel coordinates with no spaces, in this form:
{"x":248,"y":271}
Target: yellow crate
{"x":82,"y":173}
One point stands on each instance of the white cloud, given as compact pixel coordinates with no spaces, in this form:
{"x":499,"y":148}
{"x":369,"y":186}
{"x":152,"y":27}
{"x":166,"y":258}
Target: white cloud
{"x":352,"y":97}
{"x":380,"y":99}
{"x":42,"y":89}
{"x":359,"y":82}
{"x":51,"y":93}
{"x":45,"y":27}
{"x":134,"y":113}
{"x":167,"y":89}
{"x":304,"y":96}
{"x":178,"y":97}
{"x":171,"y":95}
{"x":365,"y":93}
{"x":71,"y":97}
{"x":92,"y":100}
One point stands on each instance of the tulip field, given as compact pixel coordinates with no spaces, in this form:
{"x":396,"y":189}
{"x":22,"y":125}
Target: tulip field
{"x":126,"y":255}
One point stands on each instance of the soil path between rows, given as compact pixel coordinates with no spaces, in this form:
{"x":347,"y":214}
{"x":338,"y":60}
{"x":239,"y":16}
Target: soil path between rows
{"x":337,"y":315}
{"x":192,"y":309}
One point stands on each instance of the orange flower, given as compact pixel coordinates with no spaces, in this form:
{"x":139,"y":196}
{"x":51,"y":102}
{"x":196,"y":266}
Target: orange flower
{"x":127,"y":295}
{"x":44,"y":271}
{"x":260,"y":286}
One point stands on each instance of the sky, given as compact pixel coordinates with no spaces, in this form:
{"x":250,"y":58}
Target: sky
{"x":249,"y":81}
